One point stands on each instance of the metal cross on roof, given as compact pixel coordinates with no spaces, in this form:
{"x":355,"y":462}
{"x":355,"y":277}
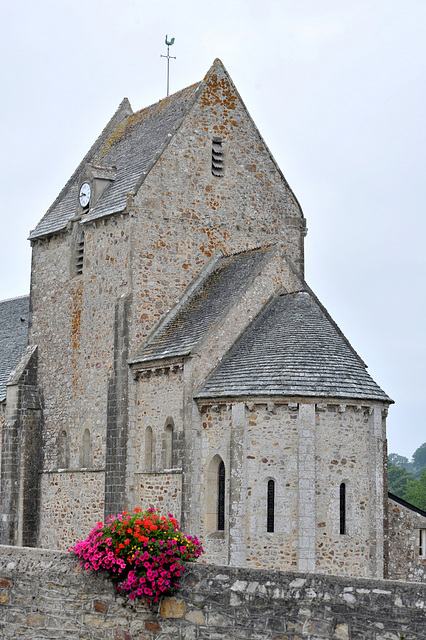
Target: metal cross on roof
{"x":168,"y":56}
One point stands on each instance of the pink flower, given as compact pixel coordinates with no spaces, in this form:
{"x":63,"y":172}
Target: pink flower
{"x":146,"y":563}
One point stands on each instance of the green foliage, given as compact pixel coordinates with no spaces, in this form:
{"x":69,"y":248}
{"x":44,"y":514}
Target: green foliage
{"x":419,"y":457}
{"x":414,"y":466}
{"x":415,"y":491}
{"x":407,"y":479}
{"x":398,"y":479}
{"x":396,"y":459}
{"x":399,"y":461}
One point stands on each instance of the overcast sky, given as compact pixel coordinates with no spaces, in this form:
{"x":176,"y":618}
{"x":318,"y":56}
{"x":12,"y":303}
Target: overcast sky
{"x":337,"y":89}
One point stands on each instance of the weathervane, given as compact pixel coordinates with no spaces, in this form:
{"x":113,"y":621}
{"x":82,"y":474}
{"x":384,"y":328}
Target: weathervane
{"x":168,"y":56}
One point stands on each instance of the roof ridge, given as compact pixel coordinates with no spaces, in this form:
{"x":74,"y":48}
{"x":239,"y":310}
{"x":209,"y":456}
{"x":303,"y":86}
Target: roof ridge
{"x":167,"y":98}
{"x":333,"y":322}
{"x":322,"y":307}
{"x":259,"y":248}
{"x":27,"y":295}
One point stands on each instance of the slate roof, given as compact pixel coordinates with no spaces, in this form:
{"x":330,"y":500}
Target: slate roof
{"x":131,"y":142}
{"x":205,"y":305}
{"x":13,"y":336}
{"x":292,"y":348}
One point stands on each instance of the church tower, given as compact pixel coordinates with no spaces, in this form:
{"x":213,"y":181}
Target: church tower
{"x":183,"y":362}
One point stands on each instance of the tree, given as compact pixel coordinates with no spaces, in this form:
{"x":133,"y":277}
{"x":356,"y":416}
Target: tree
{"x":415,"y":491}
{"x":399,"y":461}
{"x":398,"y":479}
{"x":419,"y":457}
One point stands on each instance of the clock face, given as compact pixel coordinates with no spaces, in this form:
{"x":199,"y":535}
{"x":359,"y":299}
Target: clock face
{"x":84,"y":195}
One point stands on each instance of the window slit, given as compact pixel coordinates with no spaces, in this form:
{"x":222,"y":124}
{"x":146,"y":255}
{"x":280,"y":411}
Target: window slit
{"x":221,"y":497}
{"x":422,"y":543}
{"x":270,"y":520}
{"x":342,"y":508}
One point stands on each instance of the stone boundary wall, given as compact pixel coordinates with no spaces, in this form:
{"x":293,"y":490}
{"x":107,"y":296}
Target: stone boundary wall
{"x":45,"y":595}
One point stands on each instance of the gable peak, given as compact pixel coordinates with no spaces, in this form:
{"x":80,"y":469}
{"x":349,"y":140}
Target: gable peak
{"x":125,"y":108}
{"x":216,"y":67}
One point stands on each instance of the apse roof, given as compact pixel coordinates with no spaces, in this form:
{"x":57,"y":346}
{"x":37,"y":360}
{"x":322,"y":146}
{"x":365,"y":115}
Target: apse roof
{"x":292,"y":348}
{"x":14,"y":315}
{"x":204,"y":305}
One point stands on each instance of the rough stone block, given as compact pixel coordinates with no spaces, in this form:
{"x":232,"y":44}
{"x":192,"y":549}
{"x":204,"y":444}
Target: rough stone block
{"x":100,"y":607}
{"x":122,"y":634}
{"x":341,"y":632}
{"x":320,"y":628}
{"x":195,"y":616}
{"x":35,"y":620}
{"x":172,"y":608}
{"x":5,"y":583}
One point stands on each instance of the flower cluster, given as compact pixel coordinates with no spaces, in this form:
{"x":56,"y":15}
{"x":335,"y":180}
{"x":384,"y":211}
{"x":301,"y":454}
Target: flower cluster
{"x":143,"y":551}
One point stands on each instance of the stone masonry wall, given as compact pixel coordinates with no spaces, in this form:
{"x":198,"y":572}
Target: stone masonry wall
{"x":158,"y":401}
{"x":161,"y":491}
{"x":404,"y":560}
{"x":68,"y":515}
{"x":46,"y":594}
{"x":308,"y":449}
{"x":343,"y":443}
{"x":74,"y":324}
{"x":272,"y":449}
{"x":216,"y":423}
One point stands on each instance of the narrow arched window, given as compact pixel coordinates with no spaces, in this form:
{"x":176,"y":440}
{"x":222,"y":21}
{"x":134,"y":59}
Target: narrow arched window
{"x":221,"y":497}
{"x":270,"y":498}
{"x":63,"y":451}
{"x":215,"y":495}
{"x":342,"y":508}
{"x":87,"y":449}
{"x":148,"y":449}
{"x":168,"y":453}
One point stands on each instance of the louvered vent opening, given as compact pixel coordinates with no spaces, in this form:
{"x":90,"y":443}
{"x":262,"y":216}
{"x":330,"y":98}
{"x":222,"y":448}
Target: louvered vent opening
{"x":79,"y":256}
{"x":218,"y":158}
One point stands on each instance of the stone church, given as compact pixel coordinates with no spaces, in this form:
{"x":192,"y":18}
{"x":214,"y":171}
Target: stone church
{"x":171,"y":354}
